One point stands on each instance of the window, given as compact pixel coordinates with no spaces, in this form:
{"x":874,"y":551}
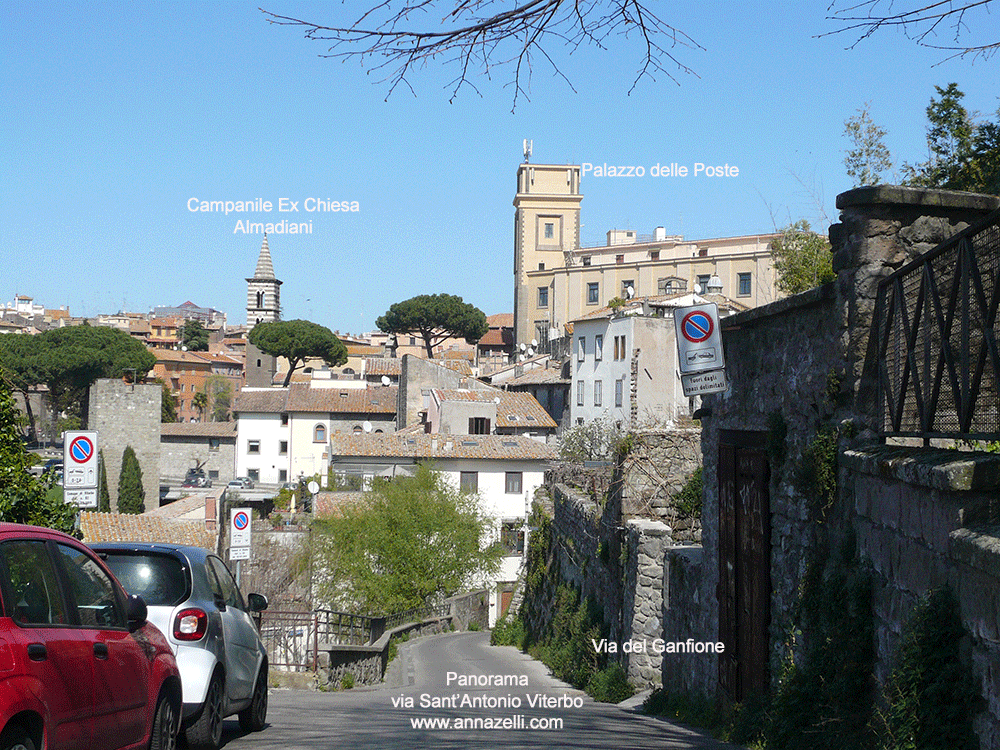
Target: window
{"x":413,"y":340}
{"x":619,"y":391}
{"x":541,"y":266}
{"x":222,"y":583}
{"x":213,"y":474}
{"x":469,"y":481}
{"x":581,"y":349}
{"x":512,"y":537}
{"x":593,"y":292}
{"x":597,"y":393}
{"x":319,"y":433}
{"x":619,"y":347}
{"x":283,"y":447}
{"x":254,"y":474}
{"x":703,"y":279}
{"x":586,"y":260}
{"x":543,"y":296}
{"x":357,"y":429}
{"x":284,"y":419}
{"x":513,"y":483}
{"x":35,"y":596}
{"x":282,"y":475}
{"x":214,"y":444}
{"x":598,"y":347}
{"x":626,"y":285}
{"x":654,"y":254}
{"x":253,"y":446}
{"x":550,"y":230}
{"x":744,"y":279}
{"x":579,"y":393}
{"x":91,"y":590}
{"x":479,"y":426}
{"x":619,"y":259}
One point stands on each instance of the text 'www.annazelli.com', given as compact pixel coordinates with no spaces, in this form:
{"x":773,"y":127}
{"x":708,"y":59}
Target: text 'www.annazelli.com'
{"x":460,"y":723}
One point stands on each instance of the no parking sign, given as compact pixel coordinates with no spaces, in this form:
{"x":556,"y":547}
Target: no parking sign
{"x":700,"y":355}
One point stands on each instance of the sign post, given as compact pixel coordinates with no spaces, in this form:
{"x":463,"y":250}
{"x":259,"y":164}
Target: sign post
{"x":80,"y":475}
{"x":699,"y":349}
{"x":240,"y":532}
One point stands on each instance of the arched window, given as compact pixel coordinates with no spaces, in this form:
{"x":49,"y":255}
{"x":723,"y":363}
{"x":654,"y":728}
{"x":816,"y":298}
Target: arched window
{"x":260,"y":299}
{"x":319,"y":433}
{"x":357,"y":429}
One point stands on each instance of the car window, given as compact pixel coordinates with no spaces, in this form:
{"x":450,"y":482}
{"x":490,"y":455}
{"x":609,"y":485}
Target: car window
{"x":93,"y":593}
{"x":160,"y":580}
{"x":35,"y":592}
{"x":227,"y":585}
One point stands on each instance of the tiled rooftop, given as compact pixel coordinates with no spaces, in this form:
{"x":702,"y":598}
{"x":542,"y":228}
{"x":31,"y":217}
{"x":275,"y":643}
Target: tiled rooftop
{"x":380,"y":400}
{"x":513,"y":409}
{"x":422,"y":446}
{"x":198,"y":429}
{"x":118,"y":527}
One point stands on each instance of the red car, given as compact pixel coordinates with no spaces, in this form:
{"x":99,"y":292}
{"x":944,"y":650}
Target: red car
{"x":80,"y":667}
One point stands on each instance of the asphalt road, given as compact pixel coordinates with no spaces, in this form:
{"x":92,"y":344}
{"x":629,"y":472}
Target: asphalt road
{"x":437,"y":679}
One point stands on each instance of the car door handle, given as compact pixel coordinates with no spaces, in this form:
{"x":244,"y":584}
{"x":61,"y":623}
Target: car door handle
{"x":101,"y":650}
{"x":37,"y":652}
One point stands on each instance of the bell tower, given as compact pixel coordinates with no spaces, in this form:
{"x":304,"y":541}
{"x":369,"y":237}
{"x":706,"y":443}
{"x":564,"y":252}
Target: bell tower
{"x":263,"y":306}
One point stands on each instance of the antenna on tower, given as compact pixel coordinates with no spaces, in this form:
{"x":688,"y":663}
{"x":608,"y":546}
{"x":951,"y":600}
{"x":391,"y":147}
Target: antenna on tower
{"x":527,"y":151}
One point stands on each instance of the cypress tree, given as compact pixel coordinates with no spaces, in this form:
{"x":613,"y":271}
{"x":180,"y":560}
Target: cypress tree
{"x":104,"y":501}
{"x":130,"y":492}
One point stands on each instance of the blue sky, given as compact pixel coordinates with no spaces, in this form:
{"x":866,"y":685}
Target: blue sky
{"x":116,"y":114}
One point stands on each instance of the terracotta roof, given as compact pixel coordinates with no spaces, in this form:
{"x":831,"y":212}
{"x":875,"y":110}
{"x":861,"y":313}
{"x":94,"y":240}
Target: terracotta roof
{"x":361,"y":350}
{"x":193,"y":504}
{"x":330,"y":503}
{"x":417,"y":428}
{"x":382,"y":400}
{"x":263,"y":400}
{"x":377,"y":366}
{"x":513,"y":409}
{"x":198,"y":429}
{"x":118,"y":527}
{"x":538,"y":376}
{"x":500,"y":320}
{"x":461,"y":366}
{"x":172,"y":355}
{"x":498,"y":337}
{"x":422,"y":446}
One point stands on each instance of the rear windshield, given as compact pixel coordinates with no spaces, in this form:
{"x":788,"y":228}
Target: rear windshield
{"x":160,"y":580}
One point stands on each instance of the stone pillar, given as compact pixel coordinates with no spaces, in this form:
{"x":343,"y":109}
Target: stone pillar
{"x":881,"y":229}
{"x":650,"y":539}
{"x":128,"y":414}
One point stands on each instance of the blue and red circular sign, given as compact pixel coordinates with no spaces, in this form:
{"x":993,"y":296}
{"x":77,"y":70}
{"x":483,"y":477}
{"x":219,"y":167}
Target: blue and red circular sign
{"x":241,"y":520}
{"x":697,"y":326}
{"x":81,"y":449}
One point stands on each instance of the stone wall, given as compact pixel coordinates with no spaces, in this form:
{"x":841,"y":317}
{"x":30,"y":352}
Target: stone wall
{"x":657,"y":467}
{"x":128,"y":414}
{"x":912,"y":513}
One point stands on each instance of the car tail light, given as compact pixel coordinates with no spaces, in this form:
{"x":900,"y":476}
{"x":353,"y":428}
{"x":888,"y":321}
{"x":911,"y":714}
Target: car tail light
{"x":190,"y":624}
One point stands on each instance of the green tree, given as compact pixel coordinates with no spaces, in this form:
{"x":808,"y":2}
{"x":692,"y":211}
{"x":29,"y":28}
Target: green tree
{"x":595,"y":440}
{"x":194,"y":336}
{"x":297,"y":341}
{"x":69,"y":360}
{"x":168,"y":404}
{"x":131,"y":494}
{"x":407,"y":542}
{"x":868,"y":158}
{"x":962,"y":154}
{"x":802,"y":258}
{"x":200,"y":402}
{"x":435,"y":317}
{"x":23,"y":497}
{"x":220,"y":397}
{"x":104,"y":499}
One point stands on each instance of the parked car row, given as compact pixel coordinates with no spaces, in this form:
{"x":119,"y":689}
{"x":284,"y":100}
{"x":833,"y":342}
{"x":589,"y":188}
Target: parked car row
{"x":123,"y":645}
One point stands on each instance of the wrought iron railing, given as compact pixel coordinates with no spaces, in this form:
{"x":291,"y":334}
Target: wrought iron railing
{"x":933,"y":350}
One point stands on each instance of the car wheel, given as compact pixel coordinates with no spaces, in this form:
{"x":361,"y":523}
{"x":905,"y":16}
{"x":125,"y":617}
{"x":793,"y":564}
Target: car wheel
{"x":206,"y":732}
{"x":15,"y":737}
{"x":165,"y":726}
{"x":254,"y":717}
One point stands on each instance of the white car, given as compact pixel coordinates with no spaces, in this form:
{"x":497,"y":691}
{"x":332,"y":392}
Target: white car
{"x":193,"y":598}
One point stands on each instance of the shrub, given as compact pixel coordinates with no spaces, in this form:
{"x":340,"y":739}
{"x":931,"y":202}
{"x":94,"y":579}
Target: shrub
{"x":131,"y":495}
{"x":610,"y":685}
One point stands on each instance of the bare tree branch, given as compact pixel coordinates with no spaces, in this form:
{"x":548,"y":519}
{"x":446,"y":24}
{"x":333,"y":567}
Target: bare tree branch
{"x":386,"y":37}
{"x":924,"y":24}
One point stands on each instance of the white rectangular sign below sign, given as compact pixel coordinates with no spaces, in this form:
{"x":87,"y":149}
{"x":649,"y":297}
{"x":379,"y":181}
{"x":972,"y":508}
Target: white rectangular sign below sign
{"x":239,"y":553}
{"x":701,"y":383}
{"x":81,"y":498}
{"x":240,"y":529}
{"x":699,"y":338}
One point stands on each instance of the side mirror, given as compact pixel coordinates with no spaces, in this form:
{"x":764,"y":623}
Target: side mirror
{"x":136,"y":612}
{"x":256,"y":602}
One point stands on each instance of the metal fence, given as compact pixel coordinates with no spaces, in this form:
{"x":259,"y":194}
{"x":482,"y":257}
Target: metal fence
{"x":933,"y":347}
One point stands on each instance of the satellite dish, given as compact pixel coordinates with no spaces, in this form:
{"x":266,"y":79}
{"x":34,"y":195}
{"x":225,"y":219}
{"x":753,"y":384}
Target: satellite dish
{"x":496,"y":399}
{"x":523,"y":347}
{"x":629,"y":292}
{"x":534,"y":343}
{"x":367,"y":426}
{"x":313,"y":487}
{"x":385,"y":380}
{"x":531,"y":352}
{"x":520,"y":358}
{"x":697,"y":288}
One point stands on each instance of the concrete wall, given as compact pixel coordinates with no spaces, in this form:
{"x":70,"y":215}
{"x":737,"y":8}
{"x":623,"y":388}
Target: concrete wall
{"x":125,"y":414}
{"x":420,"y":376}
